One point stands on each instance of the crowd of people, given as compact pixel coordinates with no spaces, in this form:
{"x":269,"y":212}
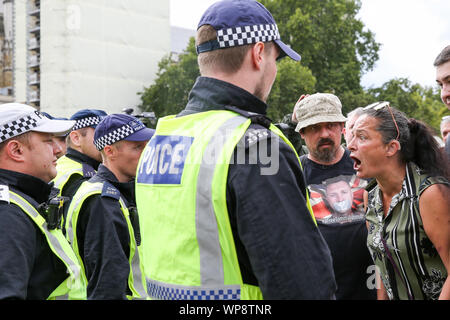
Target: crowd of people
{"x":219,"y":202}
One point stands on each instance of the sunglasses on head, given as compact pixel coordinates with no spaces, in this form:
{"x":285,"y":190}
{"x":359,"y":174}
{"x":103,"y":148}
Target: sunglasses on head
{"x":381,"y":105}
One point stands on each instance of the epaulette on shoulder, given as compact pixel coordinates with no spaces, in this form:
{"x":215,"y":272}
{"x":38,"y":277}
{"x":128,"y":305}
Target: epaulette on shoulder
{"x":4,"y":193}
{"x":256,"y":118}
{"x":110,"y":191}
{"x":253,"y":136}
{"x":88,"y":171}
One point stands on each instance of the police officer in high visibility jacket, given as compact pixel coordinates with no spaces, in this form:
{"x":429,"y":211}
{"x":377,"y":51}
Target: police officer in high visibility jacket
{"x":102,"y":222}
{"x":36,"y":261}
{"x":221,"y":196}
{"x":82,"y":158}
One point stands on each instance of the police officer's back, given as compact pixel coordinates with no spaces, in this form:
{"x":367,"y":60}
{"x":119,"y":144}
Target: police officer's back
{"x":219,"y":220}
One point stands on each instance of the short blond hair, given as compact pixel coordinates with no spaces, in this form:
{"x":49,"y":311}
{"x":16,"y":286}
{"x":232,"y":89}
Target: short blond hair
{"x":227,"y":60}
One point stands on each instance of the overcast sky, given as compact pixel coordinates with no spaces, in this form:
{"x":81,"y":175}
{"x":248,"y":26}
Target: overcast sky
{"x":412,"y":33}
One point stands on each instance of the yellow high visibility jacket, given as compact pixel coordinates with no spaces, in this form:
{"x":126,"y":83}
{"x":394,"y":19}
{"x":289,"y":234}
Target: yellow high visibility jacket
{"x":74,"y":286}
{"x":187,"y":243}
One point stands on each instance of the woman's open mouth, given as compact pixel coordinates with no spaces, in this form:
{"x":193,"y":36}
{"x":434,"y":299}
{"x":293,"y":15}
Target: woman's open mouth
{"x":356,"y":162}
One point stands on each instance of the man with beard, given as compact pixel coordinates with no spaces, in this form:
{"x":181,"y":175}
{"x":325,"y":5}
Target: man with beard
{"x":320,"y":124}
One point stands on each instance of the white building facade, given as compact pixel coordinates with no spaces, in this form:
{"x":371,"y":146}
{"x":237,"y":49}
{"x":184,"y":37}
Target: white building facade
{"x":73,"y":54}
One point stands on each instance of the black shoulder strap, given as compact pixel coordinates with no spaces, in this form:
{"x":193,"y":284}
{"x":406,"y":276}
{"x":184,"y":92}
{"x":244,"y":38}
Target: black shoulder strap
{"x":88,"y":171}
{"x":254,"y":117}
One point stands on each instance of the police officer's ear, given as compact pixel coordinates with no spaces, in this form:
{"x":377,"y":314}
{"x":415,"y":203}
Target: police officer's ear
{"x":75,"y":138}
{"x":14,"y":150}
{"x":109,"y":151}
{"x":257,"y":55}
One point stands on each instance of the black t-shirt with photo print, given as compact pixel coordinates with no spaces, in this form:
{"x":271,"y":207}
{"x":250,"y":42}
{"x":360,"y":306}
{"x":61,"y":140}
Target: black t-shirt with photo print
{"x":336,"y":196}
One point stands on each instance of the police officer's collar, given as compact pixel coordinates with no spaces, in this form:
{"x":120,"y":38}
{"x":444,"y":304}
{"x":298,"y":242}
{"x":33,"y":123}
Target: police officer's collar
{"x":213,"y":94}
{"x":105,"y":174}
{"x":82,"y":158}
{"x":31,"y":186}
{"x":125,"y":188}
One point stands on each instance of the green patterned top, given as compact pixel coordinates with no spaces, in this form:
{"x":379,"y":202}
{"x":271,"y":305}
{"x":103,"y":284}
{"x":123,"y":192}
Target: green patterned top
{"x":411,"y":267}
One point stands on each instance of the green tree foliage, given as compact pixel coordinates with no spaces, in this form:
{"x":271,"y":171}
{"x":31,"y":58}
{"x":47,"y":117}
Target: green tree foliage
{"x":336,"y":51}
{"x":416,"y":101}
{"x":169,"y":93}
{"x":175,"y":78}
{"x":351,"y":100}
{"x":330,"y":38}
{"x":292,"y":80}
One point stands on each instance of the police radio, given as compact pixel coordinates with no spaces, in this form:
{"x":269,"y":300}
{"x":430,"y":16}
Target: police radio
{"x":52,"y":211}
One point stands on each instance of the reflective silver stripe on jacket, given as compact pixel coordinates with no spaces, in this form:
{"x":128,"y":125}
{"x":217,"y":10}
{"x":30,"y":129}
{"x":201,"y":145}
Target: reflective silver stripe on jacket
{"x":66,"y":176}
{"x":74,"y":204}
{"x":54,"y":242}
{"x":211,"y":264}
{"x":163,"y":291}
{"x":135,"y":261}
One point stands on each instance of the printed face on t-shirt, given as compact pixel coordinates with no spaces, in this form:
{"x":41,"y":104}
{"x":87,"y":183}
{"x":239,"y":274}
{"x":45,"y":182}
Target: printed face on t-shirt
{"x":338,"y":200}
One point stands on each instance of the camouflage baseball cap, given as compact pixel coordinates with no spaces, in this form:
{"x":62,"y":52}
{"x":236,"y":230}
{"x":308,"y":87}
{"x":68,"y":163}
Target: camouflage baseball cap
{"x":318,"y":108}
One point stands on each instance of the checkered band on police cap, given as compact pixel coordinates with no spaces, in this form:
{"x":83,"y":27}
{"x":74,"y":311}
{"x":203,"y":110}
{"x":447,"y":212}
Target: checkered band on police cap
{"x":113,"y":136}
{"x":86,"y":122}
{"x":19,"y":126}
{"x":241,"y":22}
{"x":239,"y":36}
{"x":17,"y":118}
{"x":247,"y":35}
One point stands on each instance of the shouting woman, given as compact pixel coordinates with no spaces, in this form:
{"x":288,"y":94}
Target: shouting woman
{"x":408,"y":209}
